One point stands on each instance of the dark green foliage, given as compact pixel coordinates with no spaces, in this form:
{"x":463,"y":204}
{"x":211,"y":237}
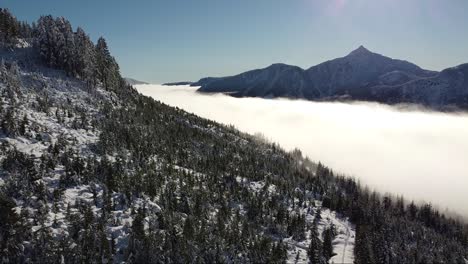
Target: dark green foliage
{"x":11,"y":28}
{"x":107,"y":69}
{"x":75,"y":53}
{"x":315,"y":250}
{"x":328,"y":236}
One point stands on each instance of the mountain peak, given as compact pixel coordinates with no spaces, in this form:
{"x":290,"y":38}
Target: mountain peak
{"x":277,"y":65}
{"x":360,"y":50}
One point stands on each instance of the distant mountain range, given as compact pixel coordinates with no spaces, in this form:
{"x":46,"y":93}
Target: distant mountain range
{"x":177,"y":83}
{"x":361,"y":75}
{"x":131,"y":81}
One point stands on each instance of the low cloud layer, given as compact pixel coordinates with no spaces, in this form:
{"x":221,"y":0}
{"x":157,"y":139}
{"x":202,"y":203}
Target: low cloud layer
{"x":422,"y":155}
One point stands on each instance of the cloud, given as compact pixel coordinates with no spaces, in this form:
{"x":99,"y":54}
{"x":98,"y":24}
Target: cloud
{"x":421,"y":155}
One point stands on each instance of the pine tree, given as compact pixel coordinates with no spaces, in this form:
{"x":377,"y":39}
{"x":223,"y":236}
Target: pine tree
{"x":9,"y":27}
{"x":138,"y":230}
{"x":188,"y":230}
{"x":104,"y":61}
{"x":315,"y":250}
{"x":23,"y":125}
{"x":48,"y":40}
{"x":8,"y":221}
{"x":65,"y":46}
{"x":85,"y":57}
{"x":327,"y":243}
{"x":9,"y":125}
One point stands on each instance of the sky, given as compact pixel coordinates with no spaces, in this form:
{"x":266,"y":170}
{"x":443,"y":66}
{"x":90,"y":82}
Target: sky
{"x":179,"y":40}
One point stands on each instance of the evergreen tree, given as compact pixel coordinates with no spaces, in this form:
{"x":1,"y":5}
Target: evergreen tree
{"x":85,"y":57}
{"x":107,"y":70}
{"x":48,"y":39}
{"x":188,"y":230}
{"x":65,"y":46}
{"x":327,"y":243}
{"x":315,"y":250}
{"x":9,"y":27}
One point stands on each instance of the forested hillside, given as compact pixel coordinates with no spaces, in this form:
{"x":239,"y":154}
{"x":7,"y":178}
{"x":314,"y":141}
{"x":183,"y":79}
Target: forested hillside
{"x":93,"y":172}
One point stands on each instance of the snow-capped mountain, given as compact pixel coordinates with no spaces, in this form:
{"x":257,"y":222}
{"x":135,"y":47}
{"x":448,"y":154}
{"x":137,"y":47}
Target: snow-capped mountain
{"x":360,"y":69}
{"x":361,"y":75}
{"x":275,"y":80}
{"x":446,"y":90}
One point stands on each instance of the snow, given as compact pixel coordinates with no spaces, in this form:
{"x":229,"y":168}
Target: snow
{"x":188,"y":171}
{"x":27,"y":146}
{"x":297,"y":248}
{"x":255,"y":186}
{"x":343,"y":244}
{"x":21,"y":44}
{"x":81,"y":192}
{"x":46,"y":129}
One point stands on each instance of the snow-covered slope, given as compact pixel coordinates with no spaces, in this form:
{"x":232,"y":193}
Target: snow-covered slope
{"x":356,"y":71}
{"x":58,"y":114}
{"x":275,"y":80}
{"x":56,"y":121}
{"x":343,"y":243}
{"x":448,"y":89}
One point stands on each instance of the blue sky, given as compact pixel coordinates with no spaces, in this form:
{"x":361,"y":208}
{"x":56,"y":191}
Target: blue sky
{"x":175,"y":40}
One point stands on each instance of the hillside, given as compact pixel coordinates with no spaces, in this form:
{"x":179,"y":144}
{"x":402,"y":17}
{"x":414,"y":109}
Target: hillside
{"x":361,"y":75}
{"x":93,"y":172}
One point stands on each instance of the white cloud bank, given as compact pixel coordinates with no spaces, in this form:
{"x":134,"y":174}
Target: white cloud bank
{"x":422,"y":155}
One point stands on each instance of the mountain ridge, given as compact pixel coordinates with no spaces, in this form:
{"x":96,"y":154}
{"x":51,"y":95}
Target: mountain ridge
{"x":131,"y":81}
{"x":356,"y":76}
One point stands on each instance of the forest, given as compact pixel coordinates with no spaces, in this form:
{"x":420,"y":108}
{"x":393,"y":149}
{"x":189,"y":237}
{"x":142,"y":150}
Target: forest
{"x":93,"y":172}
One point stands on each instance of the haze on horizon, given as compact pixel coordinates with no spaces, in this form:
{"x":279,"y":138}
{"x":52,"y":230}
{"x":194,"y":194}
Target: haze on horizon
{"x":419,"y":154}
{"x":164,"y":41}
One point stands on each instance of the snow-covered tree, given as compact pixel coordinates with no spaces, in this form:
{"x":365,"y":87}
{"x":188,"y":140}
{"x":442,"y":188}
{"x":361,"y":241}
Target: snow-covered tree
{"x":65,"y":45}
{"x":47,"y":40}
{"x":85,"y":56}
{"x":107,"y":68}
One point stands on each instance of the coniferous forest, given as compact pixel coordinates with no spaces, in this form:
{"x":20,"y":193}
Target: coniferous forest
{"x":93,"y":172}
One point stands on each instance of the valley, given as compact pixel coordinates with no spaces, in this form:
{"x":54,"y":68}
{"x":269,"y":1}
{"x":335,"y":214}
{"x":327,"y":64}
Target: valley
{"x":401,"y":150}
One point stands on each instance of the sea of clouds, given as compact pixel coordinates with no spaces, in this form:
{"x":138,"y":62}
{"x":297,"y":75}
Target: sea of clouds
{"x":420,"y":154}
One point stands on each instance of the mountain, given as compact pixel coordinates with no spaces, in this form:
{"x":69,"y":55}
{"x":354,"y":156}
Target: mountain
{"x":93,"y":172}
{"x":177,"y":83}
{"x":361,"y":75}
{"x":352,"y":74}
{"x":275,"y":80}
{"x":131,"y":81}
{"x":446,"y":90}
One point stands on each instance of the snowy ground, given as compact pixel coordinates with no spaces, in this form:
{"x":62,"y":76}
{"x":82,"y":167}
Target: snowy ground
{"x":343,"y":244}
{"x":46,"y":128}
